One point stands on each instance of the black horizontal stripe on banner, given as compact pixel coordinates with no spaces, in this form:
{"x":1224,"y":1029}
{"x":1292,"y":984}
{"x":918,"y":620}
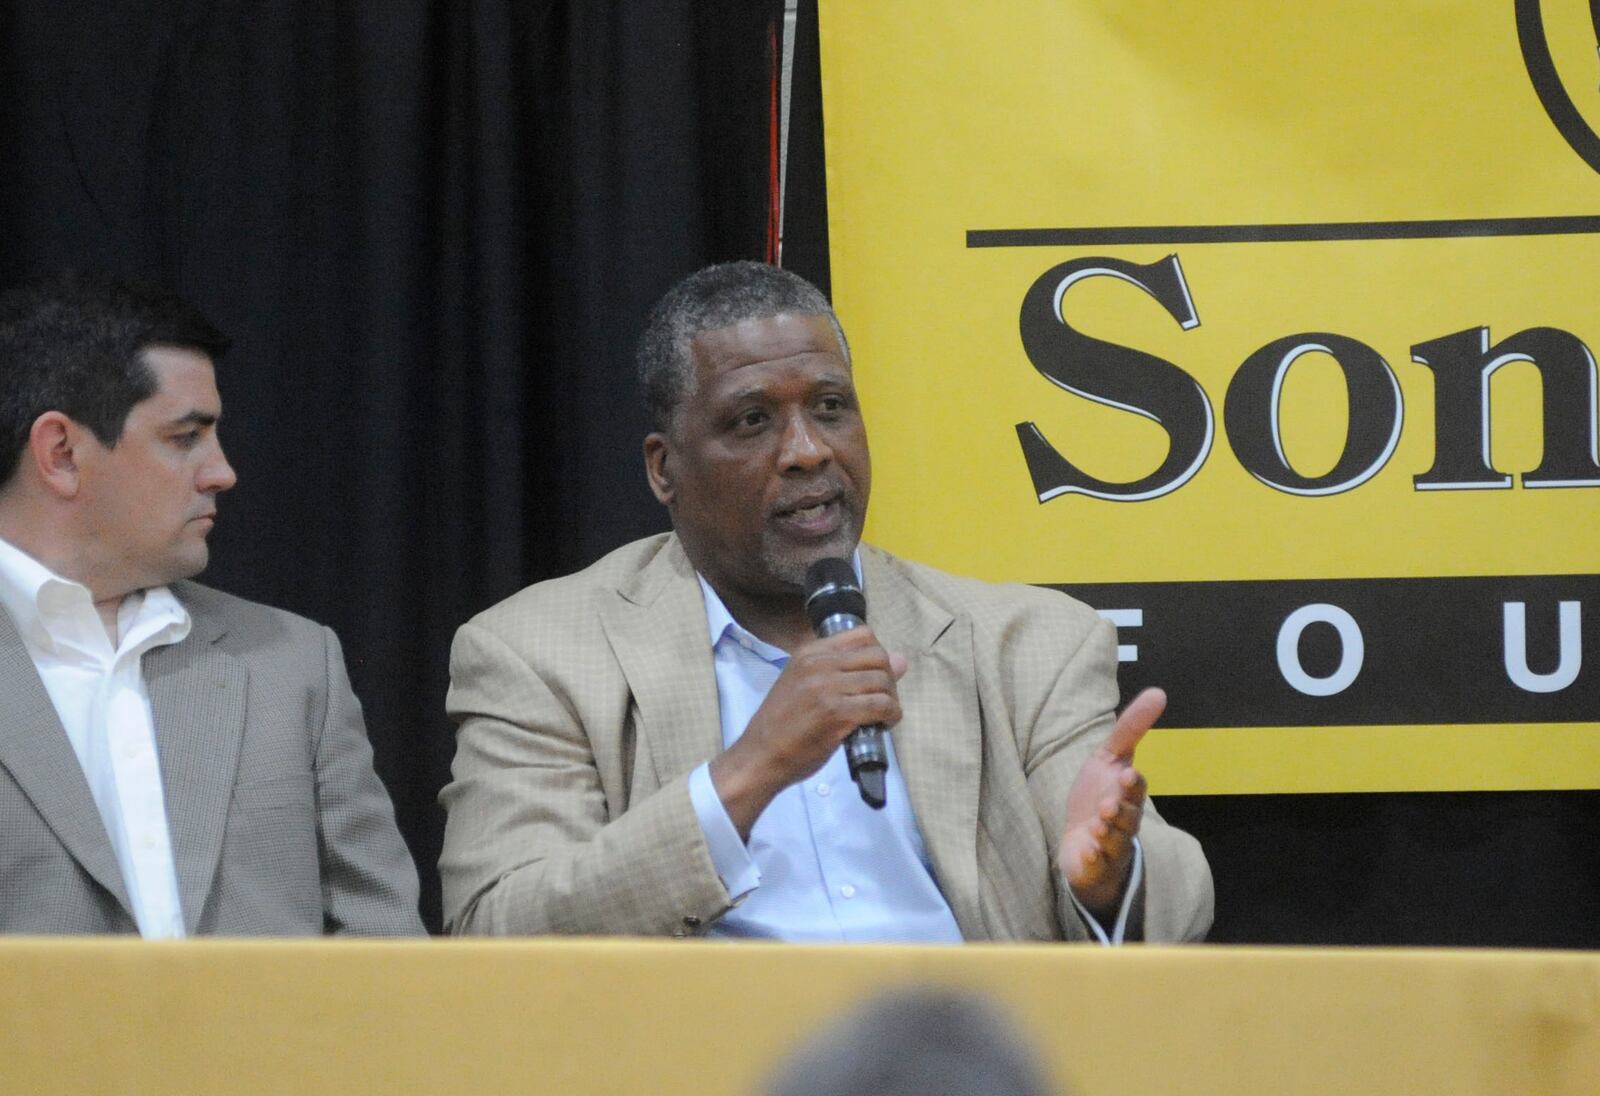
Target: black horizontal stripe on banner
{"x":1434,"y":649}
{"x":1282,"y":233}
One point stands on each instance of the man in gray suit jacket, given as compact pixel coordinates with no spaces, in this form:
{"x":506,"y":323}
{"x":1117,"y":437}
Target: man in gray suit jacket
{"x":173,"y":760}
{"x":653,"y":745}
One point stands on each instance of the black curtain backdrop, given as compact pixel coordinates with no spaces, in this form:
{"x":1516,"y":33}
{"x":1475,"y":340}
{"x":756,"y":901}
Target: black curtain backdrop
{"x":433,"y":230}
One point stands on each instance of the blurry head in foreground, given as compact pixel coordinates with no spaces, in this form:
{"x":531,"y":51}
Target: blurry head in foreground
{"x":917,"y":1042}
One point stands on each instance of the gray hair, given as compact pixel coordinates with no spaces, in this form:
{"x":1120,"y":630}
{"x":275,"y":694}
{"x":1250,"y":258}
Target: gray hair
{"x":708,"y":300}
{"x":917,"y":1042}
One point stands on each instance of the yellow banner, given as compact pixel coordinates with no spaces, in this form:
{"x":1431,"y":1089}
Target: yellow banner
{"x":1266,"y":329}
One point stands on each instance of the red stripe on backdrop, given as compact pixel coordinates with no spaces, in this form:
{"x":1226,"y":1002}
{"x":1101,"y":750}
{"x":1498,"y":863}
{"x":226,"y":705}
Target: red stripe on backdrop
{"x":774,"y":181}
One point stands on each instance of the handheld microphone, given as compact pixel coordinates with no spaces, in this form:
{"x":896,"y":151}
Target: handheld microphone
{"x":834,"y":604}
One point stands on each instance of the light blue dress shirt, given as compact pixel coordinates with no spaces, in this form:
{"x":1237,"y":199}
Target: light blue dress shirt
{"x":821,"y":865}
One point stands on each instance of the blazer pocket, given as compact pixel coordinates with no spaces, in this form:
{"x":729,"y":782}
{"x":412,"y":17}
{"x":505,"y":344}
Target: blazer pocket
{"x":276,"y":793}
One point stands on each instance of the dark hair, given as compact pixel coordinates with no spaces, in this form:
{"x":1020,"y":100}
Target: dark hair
{"x":915,"y":1042}
{"x":716,"y":297}
{"x":74,"y":343}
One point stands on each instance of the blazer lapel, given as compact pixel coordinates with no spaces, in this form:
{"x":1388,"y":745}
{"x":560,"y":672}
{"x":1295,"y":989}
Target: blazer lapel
{"x":658,"y":630}
{"x":35,"y":750}
{"x":197,"y":697}
{"x":938,"y":744}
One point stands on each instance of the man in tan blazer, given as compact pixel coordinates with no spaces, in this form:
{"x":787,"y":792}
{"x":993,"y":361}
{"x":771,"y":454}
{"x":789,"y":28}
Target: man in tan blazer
{"x":173,"y":760}
{"x":601,"y":713}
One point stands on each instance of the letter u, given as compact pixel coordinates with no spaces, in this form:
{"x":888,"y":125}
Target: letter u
{"x":1570,"y":647}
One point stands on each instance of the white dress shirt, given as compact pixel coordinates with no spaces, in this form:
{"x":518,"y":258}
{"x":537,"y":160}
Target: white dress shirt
{"x":821,"y":865}
{"x":99,"y":695}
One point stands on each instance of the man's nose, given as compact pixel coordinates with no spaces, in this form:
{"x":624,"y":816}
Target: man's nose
{"x":217,"y":474}
{"x":803,"y":446}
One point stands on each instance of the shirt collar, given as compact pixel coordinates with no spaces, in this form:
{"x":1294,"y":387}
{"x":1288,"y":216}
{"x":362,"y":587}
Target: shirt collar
{"x":158,"y":619}
{"x":38,"y":600}
{"x":25,"y":586}
{"x":720,"y":622}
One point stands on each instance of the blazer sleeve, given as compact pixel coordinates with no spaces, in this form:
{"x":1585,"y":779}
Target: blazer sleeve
{"x":1066,"y":682}
{"x":544,"y":836}
{"x":369,"y":881}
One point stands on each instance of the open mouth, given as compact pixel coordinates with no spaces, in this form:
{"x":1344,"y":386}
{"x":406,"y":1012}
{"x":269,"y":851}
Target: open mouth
{"x":809,"y":513}
{"x":813,"y":515}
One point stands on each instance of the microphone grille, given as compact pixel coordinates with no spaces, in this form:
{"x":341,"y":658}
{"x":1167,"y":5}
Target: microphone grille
{"x":831,"y":588}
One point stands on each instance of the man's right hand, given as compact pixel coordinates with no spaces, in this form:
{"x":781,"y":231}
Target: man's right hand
{"x":828,"y":689}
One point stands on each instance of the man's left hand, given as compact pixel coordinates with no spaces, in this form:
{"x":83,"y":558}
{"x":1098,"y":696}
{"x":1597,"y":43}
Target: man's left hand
{"x":1104,"y":807}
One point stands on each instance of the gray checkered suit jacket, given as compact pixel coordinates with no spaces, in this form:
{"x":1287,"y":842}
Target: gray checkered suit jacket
{"x":279,"y":825}
{"x":585,"y":702}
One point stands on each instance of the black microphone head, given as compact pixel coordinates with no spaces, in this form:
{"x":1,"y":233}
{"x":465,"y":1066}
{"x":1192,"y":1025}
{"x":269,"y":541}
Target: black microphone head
{"x":831,"y":588}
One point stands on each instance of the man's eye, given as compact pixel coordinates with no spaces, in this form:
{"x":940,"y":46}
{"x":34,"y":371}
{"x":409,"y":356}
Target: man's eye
{"x":188,"y":439}
{"x":751,"y":419}
{"x":832,"y":404}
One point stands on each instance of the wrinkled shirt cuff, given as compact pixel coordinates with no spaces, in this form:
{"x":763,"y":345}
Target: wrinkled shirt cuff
{"x":733,"y":862}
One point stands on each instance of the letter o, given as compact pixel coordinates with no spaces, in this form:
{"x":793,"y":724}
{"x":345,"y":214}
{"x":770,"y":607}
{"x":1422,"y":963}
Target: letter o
{"x":1354,"y":650}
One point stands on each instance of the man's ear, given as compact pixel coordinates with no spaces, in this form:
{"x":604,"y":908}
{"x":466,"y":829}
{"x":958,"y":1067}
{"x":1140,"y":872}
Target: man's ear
{"x":53,"y":451}
{"x":657,"y":451}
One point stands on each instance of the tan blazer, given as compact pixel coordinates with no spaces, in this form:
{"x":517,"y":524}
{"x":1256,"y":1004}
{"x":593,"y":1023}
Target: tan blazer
{"x":279,"y":824}
{"x":585,"y":702}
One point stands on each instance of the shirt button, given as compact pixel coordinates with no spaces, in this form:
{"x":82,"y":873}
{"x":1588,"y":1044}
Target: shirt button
{"x":147,"y":843}
{"x":824,"y":788}
{"x":848,"y":890}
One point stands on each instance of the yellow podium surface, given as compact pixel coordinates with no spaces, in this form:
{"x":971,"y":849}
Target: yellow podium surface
{"x":556,"y":1016}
